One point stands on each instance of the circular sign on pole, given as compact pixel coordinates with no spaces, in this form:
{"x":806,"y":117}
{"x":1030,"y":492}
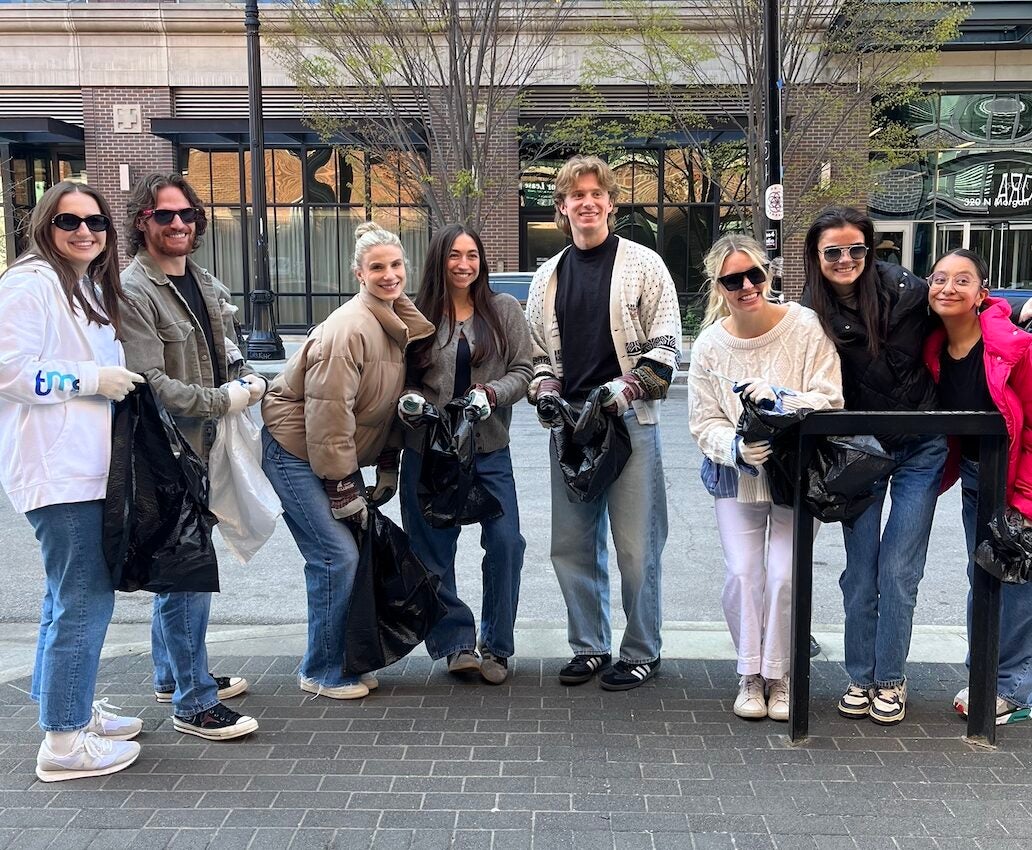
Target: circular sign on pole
{"x":774,"y":202}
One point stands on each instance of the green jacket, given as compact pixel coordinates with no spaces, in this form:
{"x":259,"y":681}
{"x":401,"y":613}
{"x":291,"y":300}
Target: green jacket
{"x":164,"y":342}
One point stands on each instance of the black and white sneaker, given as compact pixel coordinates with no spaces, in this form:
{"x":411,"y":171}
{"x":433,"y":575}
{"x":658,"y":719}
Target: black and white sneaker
{"x":623,"y":676}
{"x":218,"y":723}
{"x":583,"y":667}
{"x":229,"y":686}
{"x":889,"y":705}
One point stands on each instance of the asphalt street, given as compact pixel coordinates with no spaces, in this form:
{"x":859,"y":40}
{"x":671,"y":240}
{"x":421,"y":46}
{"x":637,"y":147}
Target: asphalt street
{"x":270,"y":589}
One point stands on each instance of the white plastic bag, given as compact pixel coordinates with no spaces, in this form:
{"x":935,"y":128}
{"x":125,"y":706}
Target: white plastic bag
{"x":240,"y":495}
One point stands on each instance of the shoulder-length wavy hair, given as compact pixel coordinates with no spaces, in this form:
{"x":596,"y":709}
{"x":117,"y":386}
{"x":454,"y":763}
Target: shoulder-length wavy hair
{"x":872,"y":303}
{"x":102,"y":271}
{"x":434,"y":299}
{"x":145,"y":195}
{"x":724,"y":247}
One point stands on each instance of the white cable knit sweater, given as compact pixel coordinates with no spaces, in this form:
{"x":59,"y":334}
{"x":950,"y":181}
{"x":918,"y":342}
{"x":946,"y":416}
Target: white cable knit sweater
{"x":795,"y":354}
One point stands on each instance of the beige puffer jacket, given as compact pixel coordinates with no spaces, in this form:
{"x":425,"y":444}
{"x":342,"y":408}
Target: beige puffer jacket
{"x":335,"y":401}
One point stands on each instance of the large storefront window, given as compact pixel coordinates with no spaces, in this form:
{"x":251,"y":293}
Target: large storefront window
{"x":668,"y":200}
{"x":316,"y":198}
{"x":969,"y":184}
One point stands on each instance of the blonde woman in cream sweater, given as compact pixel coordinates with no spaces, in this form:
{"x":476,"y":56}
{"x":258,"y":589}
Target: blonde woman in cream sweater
{"x":754,"y":348}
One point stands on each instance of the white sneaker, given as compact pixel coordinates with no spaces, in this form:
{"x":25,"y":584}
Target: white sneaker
{"x":91,"y":755}
{"x":777,"y":699}
{"x":370,"y":681}
{"x":750,"y":702}
{"x":1006,"y":712}
{"x":106,"y":724}
{"x":355,"y":691}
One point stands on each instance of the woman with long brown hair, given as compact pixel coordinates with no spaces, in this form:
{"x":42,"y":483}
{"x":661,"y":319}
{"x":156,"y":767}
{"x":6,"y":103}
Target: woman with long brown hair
{"x":481,"y":352}
{"x":61,"y":366}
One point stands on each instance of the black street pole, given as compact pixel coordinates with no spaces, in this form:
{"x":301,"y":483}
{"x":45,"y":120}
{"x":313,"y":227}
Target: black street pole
{"x":263,"y":343}
{"x":774,"y":194}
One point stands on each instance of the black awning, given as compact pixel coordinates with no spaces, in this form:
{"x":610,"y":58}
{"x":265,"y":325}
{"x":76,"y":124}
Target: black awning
{"x":35,"y":130}
{"x":279,"y":133}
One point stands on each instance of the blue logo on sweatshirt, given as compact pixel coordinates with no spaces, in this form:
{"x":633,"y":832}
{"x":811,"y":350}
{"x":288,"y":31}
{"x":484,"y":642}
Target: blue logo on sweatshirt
{"x":54,"y":380}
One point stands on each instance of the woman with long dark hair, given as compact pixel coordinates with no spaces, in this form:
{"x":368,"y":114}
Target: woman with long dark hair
{"x":481,"y":352}
{"x":61,"y":366}
{"x":982,"y":362}
{"x":877,"y":316}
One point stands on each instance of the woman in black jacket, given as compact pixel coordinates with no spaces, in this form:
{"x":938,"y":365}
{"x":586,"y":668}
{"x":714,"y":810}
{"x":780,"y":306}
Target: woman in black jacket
{"x":877,"y":315}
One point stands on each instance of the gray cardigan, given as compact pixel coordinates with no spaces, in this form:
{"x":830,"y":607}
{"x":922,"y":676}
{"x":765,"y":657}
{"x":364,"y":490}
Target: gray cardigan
{"x":507,"y":372}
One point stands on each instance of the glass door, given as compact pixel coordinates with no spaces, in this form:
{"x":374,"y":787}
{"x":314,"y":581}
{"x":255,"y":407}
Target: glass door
{"x":1007,"y":249}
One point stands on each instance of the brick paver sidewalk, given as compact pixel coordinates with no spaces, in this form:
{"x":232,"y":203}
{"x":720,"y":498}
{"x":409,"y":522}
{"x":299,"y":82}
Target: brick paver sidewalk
{"x":428,"y":762}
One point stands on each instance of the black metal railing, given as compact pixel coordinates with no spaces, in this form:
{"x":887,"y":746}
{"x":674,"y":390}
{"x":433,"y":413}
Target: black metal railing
{"x":985,"y":616}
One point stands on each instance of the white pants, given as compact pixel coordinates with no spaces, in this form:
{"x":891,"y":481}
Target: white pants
{"x":757,"y":596}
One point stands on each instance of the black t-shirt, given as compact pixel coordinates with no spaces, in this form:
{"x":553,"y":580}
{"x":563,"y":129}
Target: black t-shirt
{"x":962,"y":386}
{"x":582,"y":309}
{"x":463,"y":370}
{"x":191,"y":292}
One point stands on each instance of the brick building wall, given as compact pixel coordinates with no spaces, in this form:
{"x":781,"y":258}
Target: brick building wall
{"x":130,"y":143}
{"x":501,"y":232}
{"x":841,"y":146}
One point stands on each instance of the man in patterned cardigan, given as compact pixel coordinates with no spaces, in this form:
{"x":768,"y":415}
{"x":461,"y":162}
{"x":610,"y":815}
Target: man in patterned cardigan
{"x":604,"y":312}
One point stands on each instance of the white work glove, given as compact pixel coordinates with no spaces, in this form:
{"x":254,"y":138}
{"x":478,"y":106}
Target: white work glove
{"x":479,"y":401}
{"x":620,"y":392}
{"x":115,"y":383}
{"x":239,"y":396}
{"x":256,"y":386}
{"x":757,"y":389}
{"x":753,"y":454}
{"x":410,"y":408}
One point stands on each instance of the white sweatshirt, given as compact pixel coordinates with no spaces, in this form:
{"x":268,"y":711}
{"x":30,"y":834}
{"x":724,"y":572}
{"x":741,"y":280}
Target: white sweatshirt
{"x":795,"y":353}
{"x":55,"y":431}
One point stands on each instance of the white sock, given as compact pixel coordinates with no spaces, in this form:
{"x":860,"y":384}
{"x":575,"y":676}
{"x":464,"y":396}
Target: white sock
{"x":61,"y":743}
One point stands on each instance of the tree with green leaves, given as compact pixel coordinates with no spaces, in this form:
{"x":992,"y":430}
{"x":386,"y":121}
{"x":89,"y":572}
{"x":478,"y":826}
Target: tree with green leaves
{"x":431,"y":88}
{"x":843,"y":62}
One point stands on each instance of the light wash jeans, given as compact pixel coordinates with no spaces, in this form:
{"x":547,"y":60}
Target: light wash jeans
{"x":884,"y":568}
{"x":503,"y":559}
{"x":331,"y":560}
{"x":77,"y":608}
{"x":1014,"y":679}
{"x":637,"y":511}
{"x":179,"y":624}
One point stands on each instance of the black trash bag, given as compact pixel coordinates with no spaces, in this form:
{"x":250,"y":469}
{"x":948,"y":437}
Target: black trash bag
{"x":448,"y":491}
{"x":760,"y":422}
{"x":591,"y":447}
{"x":157,"y":527}
{"x":393,"y":603}
{"x":1007,"y":553}
{"x":841,"y":477}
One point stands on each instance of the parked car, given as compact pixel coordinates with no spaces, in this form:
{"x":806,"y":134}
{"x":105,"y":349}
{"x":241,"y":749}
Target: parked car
{"x":516,"y":284}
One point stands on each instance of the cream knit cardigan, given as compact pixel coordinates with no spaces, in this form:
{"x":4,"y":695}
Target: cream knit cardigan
{"x":795,"y":354}
{"x":643,"y":312}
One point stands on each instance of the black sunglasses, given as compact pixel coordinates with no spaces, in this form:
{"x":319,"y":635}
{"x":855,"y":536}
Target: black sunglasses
{"x":833,"y":253}
{"x":71,"y":222}
{"x":735,"y":281}
{"x":188,"y":215}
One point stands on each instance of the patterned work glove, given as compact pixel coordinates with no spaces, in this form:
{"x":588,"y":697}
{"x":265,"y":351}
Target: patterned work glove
{"x":619,"y":393}
{"x":545,"y":386}
{"x":757,"y":389}
{"x":410,"y":408}
{"x":346,"y":502}
{"x":482,"y":399}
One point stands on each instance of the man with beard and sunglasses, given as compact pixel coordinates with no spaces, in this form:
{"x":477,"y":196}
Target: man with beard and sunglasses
{"x":179,"y":334}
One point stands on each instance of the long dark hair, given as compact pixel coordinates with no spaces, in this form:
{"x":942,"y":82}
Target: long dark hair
{"x":104,"y":268}
{"x":977,"y":260}
{"x":434,"y":300}
{"x":145,"y":195}
{"x":872,"y":303}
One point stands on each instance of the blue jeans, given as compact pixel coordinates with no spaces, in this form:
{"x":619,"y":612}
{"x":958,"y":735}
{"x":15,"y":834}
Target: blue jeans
{"x":884,"y":568}
{"x":77,"y":608}
{"x":331,"y":560}
{"x":1014,"y":679}
{"x":637,"y":511}
{"x":503,"y":559}
{"x":179,"y":624}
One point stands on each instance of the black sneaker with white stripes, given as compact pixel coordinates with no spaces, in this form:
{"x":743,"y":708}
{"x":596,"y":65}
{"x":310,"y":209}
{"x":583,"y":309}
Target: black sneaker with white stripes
{"x":623,"y":676}
{"x":582,"y":667}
